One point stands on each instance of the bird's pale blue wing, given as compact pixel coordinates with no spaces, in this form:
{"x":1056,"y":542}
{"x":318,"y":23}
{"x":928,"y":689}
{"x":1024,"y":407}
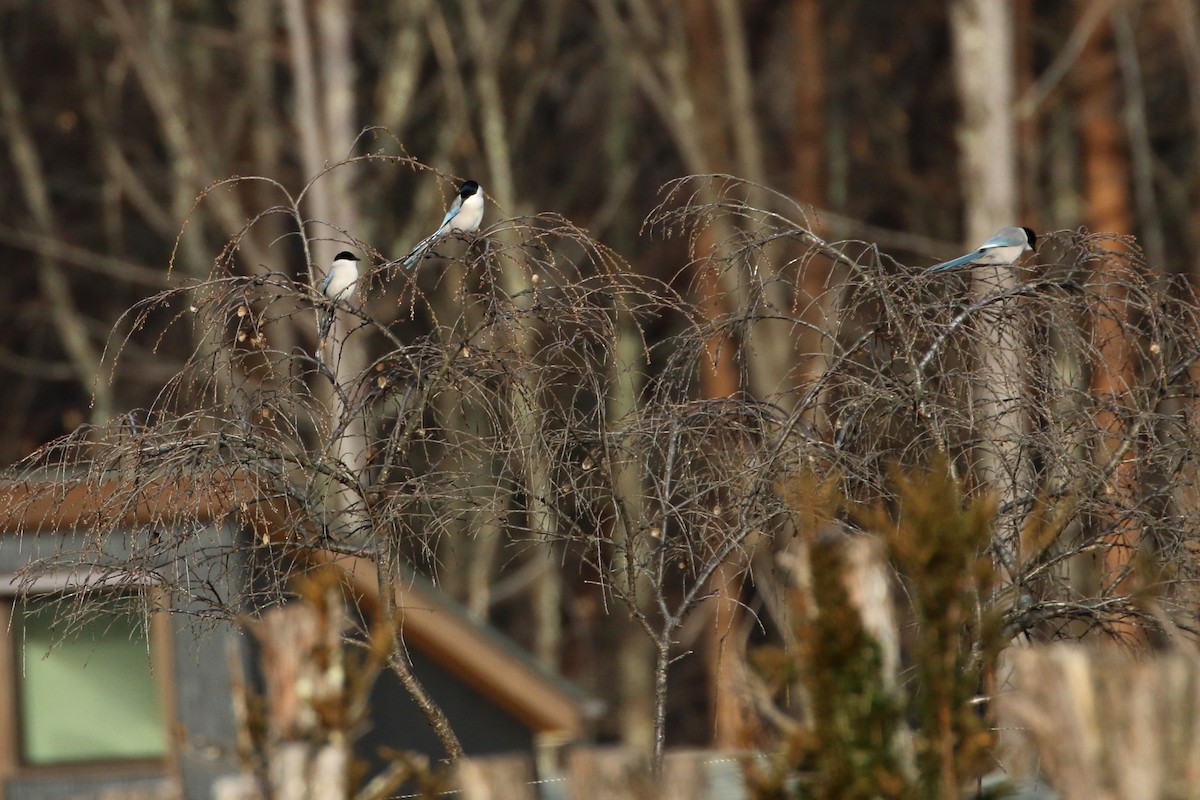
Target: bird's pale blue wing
{"x":1013,"y":237}
{"x":452,"y":212}
{"x":325,"y":283}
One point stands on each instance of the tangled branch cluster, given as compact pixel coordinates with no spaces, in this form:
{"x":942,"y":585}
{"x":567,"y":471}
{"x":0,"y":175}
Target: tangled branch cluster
{"x":540,"y":388}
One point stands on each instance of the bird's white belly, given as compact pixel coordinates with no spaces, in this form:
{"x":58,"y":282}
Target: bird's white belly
{"x":340,"y":287}
{"x":470,"y":215}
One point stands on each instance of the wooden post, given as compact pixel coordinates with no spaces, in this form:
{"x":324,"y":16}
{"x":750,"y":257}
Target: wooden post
{"x":685,"y":776}
{"x":609,"y":774}
{"x":496,"y":778}
{"x":1106,"y":724}
{"x":304,"y":677}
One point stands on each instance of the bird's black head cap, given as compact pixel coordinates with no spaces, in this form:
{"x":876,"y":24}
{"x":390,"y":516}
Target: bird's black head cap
{"x":1032,"y":237}
{"x":345,"y":255}
{"x":467,"y":189}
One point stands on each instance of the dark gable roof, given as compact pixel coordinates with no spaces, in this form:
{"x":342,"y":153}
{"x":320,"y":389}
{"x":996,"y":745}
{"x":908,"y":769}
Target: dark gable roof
{"x":478,"y":655}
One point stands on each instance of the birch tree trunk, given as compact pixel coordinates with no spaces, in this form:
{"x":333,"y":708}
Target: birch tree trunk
{"x":324,"y":121}
{"x":983,"y":42}
{"x":526,"y":403}
{"x":635,"y":650}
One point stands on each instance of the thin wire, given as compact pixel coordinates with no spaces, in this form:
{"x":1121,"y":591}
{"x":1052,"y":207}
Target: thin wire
{"x":542,"y":781}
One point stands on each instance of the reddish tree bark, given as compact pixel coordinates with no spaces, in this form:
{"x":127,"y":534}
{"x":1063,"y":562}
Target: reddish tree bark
{"x":719,"y":377}
{"x":1107,"y":194}
{"x":808,"y":180}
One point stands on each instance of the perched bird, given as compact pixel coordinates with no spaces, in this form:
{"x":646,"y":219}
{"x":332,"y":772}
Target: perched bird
{"x":465,"y":214}
{"x":1003,"y":249}
{"x":338,"y":285}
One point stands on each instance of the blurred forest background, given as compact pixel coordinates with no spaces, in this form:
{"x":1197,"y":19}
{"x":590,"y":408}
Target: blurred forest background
{"x":905,"y":132}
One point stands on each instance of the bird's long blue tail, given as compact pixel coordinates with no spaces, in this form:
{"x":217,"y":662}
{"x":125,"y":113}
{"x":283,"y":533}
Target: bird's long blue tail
{"x":412,"y":258}
{"x":955,"y":263}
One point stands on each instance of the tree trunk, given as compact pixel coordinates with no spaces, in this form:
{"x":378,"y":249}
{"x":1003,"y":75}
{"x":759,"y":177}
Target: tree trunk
{"x":635,"y":650}
{"x":1106,"y":190}
{"x":982,"y":34}
{"x":324,"y":119}
{"x":526,"y":401}
{"x":719,"y":378}
{"x":724,"y":651}
{"x":816,"y":302}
